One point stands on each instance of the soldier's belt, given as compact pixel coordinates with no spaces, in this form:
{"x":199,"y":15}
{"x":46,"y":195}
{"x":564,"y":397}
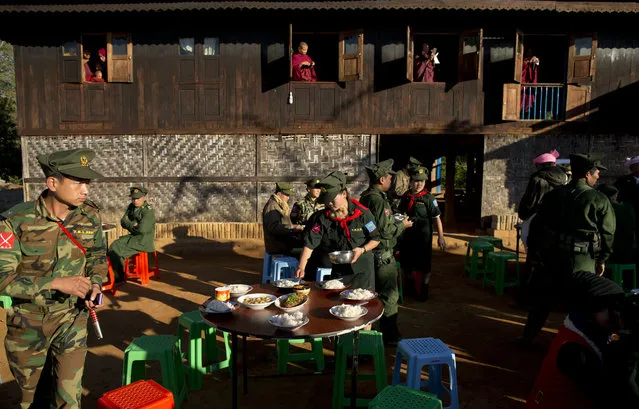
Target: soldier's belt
{"x":49,"y":307}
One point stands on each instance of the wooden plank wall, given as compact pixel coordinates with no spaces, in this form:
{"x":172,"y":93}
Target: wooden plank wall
{"x":210,"y":231}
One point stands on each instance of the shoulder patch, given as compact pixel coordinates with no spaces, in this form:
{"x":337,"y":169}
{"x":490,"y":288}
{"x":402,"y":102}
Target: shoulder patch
{"x":6,"y":240}
{"x":316,"y":228}
{"x":435,"y":203}
{"x":370,"y":226}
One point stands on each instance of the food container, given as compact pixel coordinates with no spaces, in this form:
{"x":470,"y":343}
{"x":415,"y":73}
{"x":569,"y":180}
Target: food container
{"x":341,"y":257}
{"x":282,"y":299}
{"x":222,"y":293}
{"x":399,"y":217}
{"x":238,"y":290}
{"x":248,"y":300}
{"x":302,"y":289}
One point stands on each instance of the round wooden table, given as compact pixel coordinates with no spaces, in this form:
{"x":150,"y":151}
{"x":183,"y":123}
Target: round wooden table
{"x":247,"y":322}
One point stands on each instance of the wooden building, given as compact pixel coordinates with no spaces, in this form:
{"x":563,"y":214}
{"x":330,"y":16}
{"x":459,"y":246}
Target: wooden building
{"x":198,"y":103}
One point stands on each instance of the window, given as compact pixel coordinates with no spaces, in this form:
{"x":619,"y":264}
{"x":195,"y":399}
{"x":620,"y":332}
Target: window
{"x":187,"y":46}
{"x":470,"y":55}
{"x":211,"y":46}
{"x":70,"y":49}
{"x":581,"y":58}
{"x":198,"y":59}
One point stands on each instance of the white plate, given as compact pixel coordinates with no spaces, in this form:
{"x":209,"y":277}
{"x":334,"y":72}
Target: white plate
{"x":234,"y":306}
{"x":345,"y":296}
{"x":306,"y":320}
{"x":243,"y":298}
{"x":278,"y":283}
{"x":241,"y":289}
{"x":333,"y":309}
{"x":291,"y":309}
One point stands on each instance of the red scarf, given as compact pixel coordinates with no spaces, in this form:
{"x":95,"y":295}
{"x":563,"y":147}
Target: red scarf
{"x":343,"y":222}
{"x":424,"y":192}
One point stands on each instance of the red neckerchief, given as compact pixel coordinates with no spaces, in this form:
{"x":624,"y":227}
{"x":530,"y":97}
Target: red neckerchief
{"x":413,"y":197}
{"x":343,"y":222}
{"x":70,"y":236}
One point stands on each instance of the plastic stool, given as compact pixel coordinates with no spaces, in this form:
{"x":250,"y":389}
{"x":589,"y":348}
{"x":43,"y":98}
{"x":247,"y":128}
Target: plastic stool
{"x":138,"y":395}
{"x":495,"y":241}
{"x":322,"y":274}
{"x":400,"y":282}
{"x":195,"y":325}
{"x":472,"y":260}
{"x":138,"y":267}
{"x":110,"y":284}
{"x":266,"y":268}
{"x":496,"y":269}
{"x":284,"y":356}
{"x":5,"y":301}
{"x":432,"y":352}
{"x":399,"y":396}
{"x":163,"y":348}
{"x":617,"y":273}
{"x":283,"y":267}
{"x":370,"y":343}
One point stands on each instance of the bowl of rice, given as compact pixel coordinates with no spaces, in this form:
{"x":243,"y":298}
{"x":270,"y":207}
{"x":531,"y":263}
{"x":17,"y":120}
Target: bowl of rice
{"x":332,"y":286}
{"x":348,"y":312}
{"x":285,"y":284}
{"x":289,"y":321}
{"x":238,"y":290}
{"x":358,"y":294}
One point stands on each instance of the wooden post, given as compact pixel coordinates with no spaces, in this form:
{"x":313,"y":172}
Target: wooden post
{"x":449,"y":217}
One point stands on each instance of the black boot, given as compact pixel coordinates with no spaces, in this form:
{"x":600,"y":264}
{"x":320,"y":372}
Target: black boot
{"x":423,"y":292}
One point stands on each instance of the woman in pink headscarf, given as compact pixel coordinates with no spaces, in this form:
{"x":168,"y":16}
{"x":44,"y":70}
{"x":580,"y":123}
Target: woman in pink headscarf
{"x":303,"y":65}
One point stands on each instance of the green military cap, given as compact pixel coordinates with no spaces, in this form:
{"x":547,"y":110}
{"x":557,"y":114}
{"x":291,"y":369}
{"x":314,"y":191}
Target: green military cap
{"x":311,"y":183}
{"x":73,"y":163}
{"x":331,"y":186}
{"x":137,"y":192}
{"x":414,"y":162}
{"x":609,"y":190}
{"x":582,"y":163}
{"x":419,"y":173}
{"x":284,"y":187}
{"x":380,"y":169}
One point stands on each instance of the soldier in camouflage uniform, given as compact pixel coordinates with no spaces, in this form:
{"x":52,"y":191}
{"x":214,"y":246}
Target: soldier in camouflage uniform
{"x":139,"y":221}
{"x":401,"y":183}
{"x":52,"y":264}
{"x":303,"y":209}
{"x":385,"y":266}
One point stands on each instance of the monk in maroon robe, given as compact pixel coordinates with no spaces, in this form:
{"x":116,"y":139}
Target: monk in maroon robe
{"x":303,"y":65}
{"x":529,"y":71}
{"x":87,"y":73}
{"x":425,"y":65}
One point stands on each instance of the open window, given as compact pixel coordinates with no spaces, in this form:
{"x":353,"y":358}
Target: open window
{"x":98,"y":58}
{"x":470,"y":54}
{"x":581,"y":58}
{"x":119,"y":57}
{"x":519,"y":55}
{"x":351,"y":55}
{"x":431,"y":57}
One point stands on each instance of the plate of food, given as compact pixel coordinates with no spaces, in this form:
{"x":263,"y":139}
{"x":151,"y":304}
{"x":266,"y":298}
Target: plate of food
{"x":358,"y":294}
{"x":220,"y":307}
{"x":291,"y":302}
{"x":285,"y":284}
{"x":332,"y":285}
{"x":348,"y":312}
{"x":289,"y":321}
{"x":257,"y":301}
{"x":238,"y":290}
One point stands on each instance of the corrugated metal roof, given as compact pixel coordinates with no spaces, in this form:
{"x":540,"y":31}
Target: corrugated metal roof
{"x":511,"y":5}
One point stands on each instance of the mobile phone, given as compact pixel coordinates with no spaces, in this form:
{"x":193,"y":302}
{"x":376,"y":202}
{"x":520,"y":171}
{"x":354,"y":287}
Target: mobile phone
{"x":98,"y":299}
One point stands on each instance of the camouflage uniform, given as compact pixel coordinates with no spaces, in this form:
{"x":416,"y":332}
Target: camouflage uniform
{"x":303,"y":209}
{"x":401,"y":183}
{"x":34,"y":250}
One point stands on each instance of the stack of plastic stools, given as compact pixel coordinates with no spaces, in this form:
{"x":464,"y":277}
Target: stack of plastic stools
{"x":617,"y":273}
{"x":138,"y":395}
{"x":284,"y":356}
{"x":163,"y":348}
{"x":266,"y":268}
{"x":495,"y":241}
{"x":5,"y":301}
{"x":370,"y":343}
{"x":398,"y":396}
{"x":497,"y":269}
{"x":283,"y":267}
{"x":431,"y":352}
{"x":322,"y":274}
{"x":138,"y":267}
{"x":193,"y":323}
{"x":472,"y":265}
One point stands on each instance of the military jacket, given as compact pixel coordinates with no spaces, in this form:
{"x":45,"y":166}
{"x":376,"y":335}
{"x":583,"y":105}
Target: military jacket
{"x":377,"y":202}
{"x":140,"y":223}
{"x":34,"y":249}
{"x":279,"y":238}
{"x":540,"y":183}
{"x":401,"y":184}
{"x":303,"y":209}
{"x":424,"y":209}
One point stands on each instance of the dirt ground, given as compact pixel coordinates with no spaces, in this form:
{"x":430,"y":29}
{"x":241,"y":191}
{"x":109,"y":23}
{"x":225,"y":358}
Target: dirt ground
{"x":478,"y":325}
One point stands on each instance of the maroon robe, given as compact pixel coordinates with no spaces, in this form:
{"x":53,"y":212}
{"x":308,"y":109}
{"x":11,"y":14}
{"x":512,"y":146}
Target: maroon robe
{"x":425,"y":69}
{"x":528,"y":76}
{"x":306,"y":73}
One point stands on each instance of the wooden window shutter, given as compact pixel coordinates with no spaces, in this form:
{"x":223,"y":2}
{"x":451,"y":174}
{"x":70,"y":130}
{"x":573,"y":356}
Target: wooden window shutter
{"x":470,"y":54}
{"x":511,"y":109}
{"x":290,"y":51}
{"x":71,"y":61}
{"x":519,"y":55}
{"x":119,"y":57}
{"x":577,"y":102}
{"x":351,"y":55}
{"x":410,"y":54}
{"x":582,"y":54}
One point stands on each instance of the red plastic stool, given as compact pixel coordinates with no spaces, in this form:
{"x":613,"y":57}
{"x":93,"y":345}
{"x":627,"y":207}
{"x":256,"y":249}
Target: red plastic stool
{"x":142,"y":394}
{"x":110,"y":285}
{"x":138,"y":267}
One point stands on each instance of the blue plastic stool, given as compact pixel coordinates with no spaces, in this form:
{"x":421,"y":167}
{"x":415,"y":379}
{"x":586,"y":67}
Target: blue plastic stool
{"x":282,"y":267}
{"x":322,"y":274}
{"x":431,"y":352}
{"x":266,"y":267}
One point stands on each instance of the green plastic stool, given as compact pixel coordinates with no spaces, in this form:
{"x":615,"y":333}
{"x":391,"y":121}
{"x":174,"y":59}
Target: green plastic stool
{"x":284,"y":356}
{"x":617,"y":273}
{"x":495,"y":241}
{"x":472,"y":266}
{"x":163,"y":348}
{"x":399,"y":396}
{"x":5,"y":301}
{"x":400,"y":283}
{"x":496,"y":269}
{"x":370,"y":343}
{"x":193,"y":323}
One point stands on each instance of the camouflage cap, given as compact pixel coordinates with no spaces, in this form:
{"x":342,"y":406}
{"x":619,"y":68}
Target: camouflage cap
{"x":137,"y":192}
{"x":311,"y":183}
{"x":73,"y":163}
{"x":331,"y":185}
{"x":419,"y":173}
{"x":284,"y":187}
{"x":581,"y":163}
{"x":380,"y":169}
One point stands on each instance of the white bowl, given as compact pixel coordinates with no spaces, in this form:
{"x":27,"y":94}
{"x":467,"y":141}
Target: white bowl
{"x":242,"y":300}
{"x":333,"y":310}
{"x":293,"y":328}
{"x":345,"y":295}
{"x":240,"y":289}
{"x":291,"y":309}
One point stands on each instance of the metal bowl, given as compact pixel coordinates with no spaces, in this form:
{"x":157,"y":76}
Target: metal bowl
{"x":341,"y":257}
{"x":399,"y":217}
